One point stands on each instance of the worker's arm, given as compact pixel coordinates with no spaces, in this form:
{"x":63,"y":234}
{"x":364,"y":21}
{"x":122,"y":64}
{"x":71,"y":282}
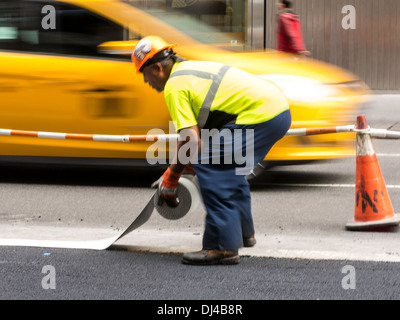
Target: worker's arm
{"x":188,"y":147}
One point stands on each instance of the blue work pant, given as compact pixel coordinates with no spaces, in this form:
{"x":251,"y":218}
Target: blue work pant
{"x":225,"y":190}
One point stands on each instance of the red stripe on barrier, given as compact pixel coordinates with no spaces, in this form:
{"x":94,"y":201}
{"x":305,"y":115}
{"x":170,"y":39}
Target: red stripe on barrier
{"x":24,"y":133}
{"x":142,"y":138}
{"x":78,"y":136}
{"x":313,"y":131}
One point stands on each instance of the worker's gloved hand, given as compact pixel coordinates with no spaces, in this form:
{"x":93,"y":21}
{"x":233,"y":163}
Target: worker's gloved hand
{"x":167,"y":188}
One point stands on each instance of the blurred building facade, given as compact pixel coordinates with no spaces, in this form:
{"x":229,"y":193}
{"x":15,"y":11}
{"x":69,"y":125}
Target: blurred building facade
{"x":358,"y":35}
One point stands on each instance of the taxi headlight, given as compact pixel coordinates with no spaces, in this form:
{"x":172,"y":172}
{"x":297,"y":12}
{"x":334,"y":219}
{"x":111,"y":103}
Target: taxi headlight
{"x":303,"y":89}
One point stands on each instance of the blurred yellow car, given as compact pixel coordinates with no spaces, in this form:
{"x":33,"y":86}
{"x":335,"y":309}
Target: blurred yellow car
{"x":66,"y":68}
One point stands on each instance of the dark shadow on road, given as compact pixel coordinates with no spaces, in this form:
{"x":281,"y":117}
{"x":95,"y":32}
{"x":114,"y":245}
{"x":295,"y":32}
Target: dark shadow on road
{"x":57,"y":175}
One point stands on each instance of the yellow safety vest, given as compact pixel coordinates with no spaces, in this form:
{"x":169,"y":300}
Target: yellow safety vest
{"x":210,"y":95}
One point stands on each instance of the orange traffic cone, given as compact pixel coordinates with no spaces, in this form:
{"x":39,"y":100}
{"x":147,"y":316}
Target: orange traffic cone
{"x":373,"y":207}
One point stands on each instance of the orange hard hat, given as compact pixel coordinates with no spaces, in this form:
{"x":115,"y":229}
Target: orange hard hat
{"x":150,"y":49}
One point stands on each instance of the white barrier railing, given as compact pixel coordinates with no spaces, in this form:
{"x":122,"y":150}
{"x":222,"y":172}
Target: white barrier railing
{"x":376,"y":133}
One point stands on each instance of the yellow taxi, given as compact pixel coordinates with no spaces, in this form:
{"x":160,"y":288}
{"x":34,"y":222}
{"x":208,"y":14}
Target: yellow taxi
{"x":65,"y":67}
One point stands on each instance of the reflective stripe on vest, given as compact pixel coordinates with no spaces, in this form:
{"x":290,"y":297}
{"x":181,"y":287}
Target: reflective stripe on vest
{"x":212,"y":92}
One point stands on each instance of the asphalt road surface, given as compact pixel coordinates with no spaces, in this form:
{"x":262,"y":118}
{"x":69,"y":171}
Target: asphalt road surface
{"x":89,"y":274}
{"x":300,"y":212}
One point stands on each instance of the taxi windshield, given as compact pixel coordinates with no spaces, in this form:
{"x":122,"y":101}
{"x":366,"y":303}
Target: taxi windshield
{"x":209,"y":22}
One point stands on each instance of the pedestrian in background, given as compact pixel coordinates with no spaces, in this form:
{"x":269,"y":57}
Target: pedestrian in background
{"x":202,"y":97}
{"x":289,"y":35}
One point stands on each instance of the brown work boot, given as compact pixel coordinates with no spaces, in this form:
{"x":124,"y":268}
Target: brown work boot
{"x":211,"y":257}
{"x":249,"y":242}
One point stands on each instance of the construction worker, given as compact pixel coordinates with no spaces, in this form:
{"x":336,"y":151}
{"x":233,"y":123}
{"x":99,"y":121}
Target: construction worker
{"x":204,"y":97}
